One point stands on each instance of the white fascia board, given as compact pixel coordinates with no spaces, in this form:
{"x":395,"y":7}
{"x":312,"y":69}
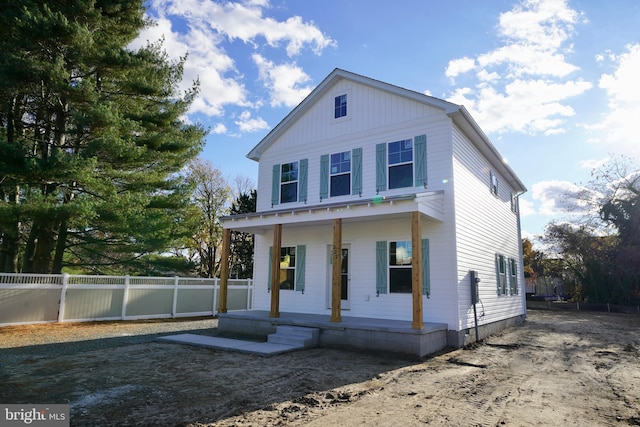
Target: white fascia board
{"x":430,"y":205}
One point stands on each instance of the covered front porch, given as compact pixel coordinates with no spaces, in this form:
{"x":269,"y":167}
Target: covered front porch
{"x":351,"y":332}
{"x":412,"y":336}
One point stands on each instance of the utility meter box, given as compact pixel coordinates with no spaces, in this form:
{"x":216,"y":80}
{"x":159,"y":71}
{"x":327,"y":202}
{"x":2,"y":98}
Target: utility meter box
{"x":474,"y":279}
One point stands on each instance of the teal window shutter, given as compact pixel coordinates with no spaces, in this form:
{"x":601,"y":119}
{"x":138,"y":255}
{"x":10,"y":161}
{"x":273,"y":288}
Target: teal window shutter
{"x":381,"y":167}
{"x":381,"y":267}
{"x":420,"y":147}
{"x":426,"y":279}
{"x":301,"y":255}
{"x":507,"y":277}
{"x":324,"y":176}
{"x":302,"y":192}
{"x":275,"y":185}
{"x":513,"y":276}
{"x":502,"y":274}
{"x":356,"y":171}
{"x":270,"y":266}
{"x":498,"y":273}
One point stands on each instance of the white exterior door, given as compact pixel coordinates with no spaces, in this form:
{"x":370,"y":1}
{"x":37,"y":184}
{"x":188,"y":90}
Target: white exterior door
{"x":345,"y":276}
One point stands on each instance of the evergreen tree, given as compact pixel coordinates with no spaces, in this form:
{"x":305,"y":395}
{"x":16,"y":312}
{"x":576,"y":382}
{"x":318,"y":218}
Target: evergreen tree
{"x":91,"y":139}
{"x":242,"y":243}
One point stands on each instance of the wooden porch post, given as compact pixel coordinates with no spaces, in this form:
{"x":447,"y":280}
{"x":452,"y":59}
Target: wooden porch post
{"x":416,"y":270}
{"x":224,"y":270}
{"x":275,"y":271}
{"x":336,"y":271}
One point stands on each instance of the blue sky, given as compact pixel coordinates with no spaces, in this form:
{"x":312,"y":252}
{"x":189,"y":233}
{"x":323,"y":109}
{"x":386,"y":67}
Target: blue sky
{"x":553,"y":83}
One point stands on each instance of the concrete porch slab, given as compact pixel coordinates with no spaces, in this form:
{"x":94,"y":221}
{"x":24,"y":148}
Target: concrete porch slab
{"x":242,"y":346}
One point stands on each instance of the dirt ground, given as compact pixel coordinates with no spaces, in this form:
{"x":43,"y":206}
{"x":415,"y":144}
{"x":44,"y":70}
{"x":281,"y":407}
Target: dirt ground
{"x":559,"y":368}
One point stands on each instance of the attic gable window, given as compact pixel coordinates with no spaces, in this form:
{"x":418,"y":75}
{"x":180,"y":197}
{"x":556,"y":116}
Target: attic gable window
{"x":340,"y":109}
{"x":289,"y":182}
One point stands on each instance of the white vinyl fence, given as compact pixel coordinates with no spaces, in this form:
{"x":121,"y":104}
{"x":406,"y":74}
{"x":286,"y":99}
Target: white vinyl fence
{"x":42,"y":298}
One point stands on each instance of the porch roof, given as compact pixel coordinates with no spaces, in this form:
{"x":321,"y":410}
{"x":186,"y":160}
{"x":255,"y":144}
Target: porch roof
{"x":430,"y":204}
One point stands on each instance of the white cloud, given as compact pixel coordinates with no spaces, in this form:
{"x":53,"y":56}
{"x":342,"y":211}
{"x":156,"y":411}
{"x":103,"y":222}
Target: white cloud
{"x":459,"y":66}
{"x":485,"y":76}
{"x":529,"y":106}
{"x":248,"y":124}
{"x":245,"y":21}
{"x":561,"y":197}
{"x":522,"y":86}
{"x":594,"y":163}
{"x":219,"y":129}
{"x":620,"y":127}
{"x":285,"y":82}
{"x":526,"y":207}
{"x":204,"y":28}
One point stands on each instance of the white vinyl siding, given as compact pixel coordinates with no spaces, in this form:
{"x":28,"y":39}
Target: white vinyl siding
{"x":316,"y":134}
{"x":485,"y":228}
{"x":477,"y":224}
{"x":364,"y":301}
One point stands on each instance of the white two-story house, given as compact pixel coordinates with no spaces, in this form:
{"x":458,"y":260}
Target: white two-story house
{"x":380,"y":203}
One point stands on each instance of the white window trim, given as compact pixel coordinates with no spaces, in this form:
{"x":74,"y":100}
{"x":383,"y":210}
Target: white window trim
{"x":293,"y":268}
{"x":332,"y":118}
{"x":412,"y":163}
{"x":494,"y":183}
{"x":390,"y":266}
{"x":341,"y":173}
{"x":514,"y":203}
{"x":296,"y":181}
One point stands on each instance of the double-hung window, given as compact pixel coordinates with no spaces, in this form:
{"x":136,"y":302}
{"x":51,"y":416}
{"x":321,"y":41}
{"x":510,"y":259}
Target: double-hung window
{"x":493,"y":183}
{"x":289,"y":182}
{"x":340,"y":109}
{"x":400,"y":267}
{"x":513,"y":276}
{"x":401,"y":164}
{"x":287,"y":267}
{"x":400,"y":161}
{"x":394,"y":267}
{"x":501,"y":274}
{"x":340,"y":174}
{"x":291,"y":269}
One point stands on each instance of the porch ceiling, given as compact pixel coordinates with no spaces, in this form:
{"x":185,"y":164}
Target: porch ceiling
{"x":430,"y":204}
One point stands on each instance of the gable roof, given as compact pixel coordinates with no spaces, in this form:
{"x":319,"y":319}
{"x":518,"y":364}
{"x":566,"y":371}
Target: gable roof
{"x":457,"y":113}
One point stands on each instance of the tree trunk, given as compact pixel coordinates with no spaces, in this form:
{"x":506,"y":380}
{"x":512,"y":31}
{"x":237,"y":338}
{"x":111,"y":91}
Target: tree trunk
{"x":61,"y":245}
{"x":10,"y":238}
{"x":29,"y":250}
{"x":209,"y":262}
{"x":45,"y":245}
{"x":9,"y":250}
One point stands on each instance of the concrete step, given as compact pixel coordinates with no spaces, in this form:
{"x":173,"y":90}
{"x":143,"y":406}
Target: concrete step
{"x":295,"y":336}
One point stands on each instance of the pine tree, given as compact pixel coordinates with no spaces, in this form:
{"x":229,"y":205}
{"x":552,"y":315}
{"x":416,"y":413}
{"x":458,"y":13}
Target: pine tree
{"x":242,"y":243}
{"x":91,"y":139}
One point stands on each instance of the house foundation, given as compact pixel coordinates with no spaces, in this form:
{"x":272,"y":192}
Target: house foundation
{"x":352,"y":332}
{"x":458,"y":339}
